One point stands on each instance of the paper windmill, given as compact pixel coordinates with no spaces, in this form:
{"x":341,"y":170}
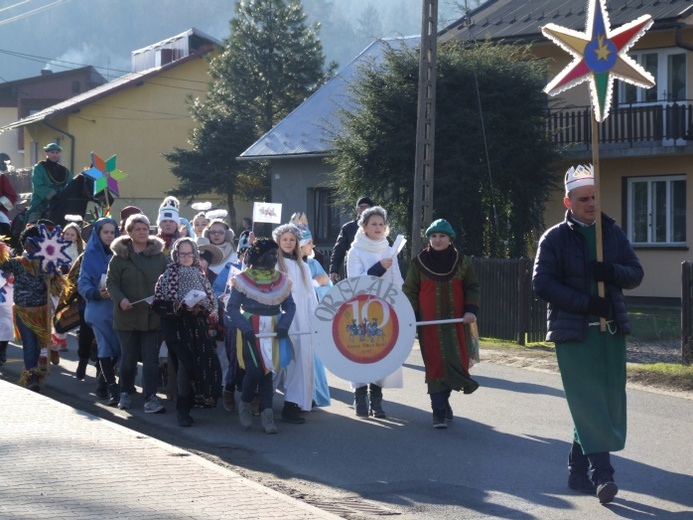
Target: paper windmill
{"x":105,"y":174}
{"x":600,"y":56}
{"x":50,"y":248}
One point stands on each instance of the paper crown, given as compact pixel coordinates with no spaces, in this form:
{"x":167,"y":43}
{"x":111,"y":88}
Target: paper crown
{"x":581,"y":175}
{"x":169,"y":210}
{"x":301,"y":222}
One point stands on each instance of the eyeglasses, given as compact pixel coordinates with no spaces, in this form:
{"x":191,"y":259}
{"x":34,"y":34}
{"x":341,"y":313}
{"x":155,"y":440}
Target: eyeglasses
{"x":216,"y":232}
{"x":186,"y":255}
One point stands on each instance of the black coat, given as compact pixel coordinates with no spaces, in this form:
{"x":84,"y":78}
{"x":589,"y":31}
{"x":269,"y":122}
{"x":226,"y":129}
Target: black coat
{"x":562,"y":277}
{"x":342,"y":245}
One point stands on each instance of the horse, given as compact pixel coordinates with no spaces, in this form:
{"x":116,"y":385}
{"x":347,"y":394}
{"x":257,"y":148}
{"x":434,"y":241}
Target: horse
{"x":73,"y":200}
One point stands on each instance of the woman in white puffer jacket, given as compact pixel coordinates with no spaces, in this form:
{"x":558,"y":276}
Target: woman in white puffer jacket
{"x":370,"y":254}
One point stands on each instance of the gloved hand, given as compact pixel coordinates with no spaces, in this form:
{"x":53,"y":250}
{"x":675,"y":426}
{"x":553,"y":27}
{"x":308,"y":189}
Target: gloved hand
{"x":604,"y":272}
{"x":282,"y":333}
{"x":598,"y":307}
{"x":249,"y":337}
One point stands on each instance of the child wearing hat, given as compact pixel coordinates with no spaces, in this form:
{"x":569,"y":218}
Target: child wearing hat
{"x":261,"y":302}
{"x":168,"y":222}
{"x":441,"y":285}
{"x":31,"y":286}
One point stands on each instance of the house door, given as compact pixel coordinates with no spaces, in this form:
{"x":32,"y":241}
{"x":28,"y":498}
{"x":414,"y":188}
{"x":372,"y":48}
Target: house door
{"x":668,"y":66}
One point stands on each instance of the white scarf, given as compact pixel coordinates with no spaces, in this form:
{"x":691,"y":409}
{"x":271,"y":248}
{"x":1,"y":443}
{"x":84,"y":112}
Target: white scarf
{"x":361,"y":241}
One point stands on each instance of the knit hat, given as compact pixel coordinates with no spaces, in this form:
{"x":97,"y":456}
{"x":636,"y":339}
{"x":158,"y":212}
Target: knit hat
{"x":286,"y":228}
{"x":169,"y":210}
{"x":581,"y":175}
{"x":301,"y":222}
{"x":441,"y":226}
{"x":364,"y":200}
{"x":52,"y":146}
{"x":260,"y":247}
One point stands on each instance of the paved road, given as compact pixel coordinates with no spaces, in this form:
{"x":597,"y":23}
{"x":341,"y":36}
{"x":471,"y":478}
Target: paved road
{"x":504,"y":457}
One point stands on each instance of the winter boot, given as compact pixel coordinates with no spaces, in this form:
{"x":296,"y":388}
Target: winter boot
{"x":183,"y":411}
{"x":439,"y":418}
{"x":245,"y":415}
{"x":3,"y":352}
{"x":291,"y":413}
{"x":81,"y":371}
{"x":377,"y":402}
{"x":267,"y":417}
{"x":101,"y":386}
{"x":229,"y":400}
{"x":113,"y":394}
{"x":361,"y":401}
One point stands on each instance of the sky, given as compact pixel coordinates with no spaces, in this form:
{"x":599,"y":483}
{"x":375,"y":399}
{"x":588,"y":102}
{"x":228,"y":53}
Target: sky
{"x":66,"y":34}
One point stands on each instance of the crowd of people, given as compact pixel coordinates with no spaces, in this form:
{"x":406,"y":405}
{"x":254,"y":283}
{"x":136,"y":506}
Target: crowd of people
{"x":211,"y":317}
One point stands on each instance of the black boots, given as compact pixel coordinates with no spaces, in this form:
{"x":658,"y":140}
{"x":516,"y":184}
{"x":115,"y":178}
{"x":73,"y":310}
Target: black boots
{"x":377,"y":401}
{"x":113,"y":394}
{"x":361,"y":401}
{"x":3,"y":352}
{"x":81,"y":371}
{"x":183,"y":406}
{"x":291,"y":413}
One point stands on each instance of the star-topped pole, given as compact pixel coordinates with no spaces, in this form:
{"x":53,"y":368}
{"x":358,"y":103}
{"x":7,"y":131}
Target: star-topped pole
{"x":105,"y":175}
{"x":599,"y":56}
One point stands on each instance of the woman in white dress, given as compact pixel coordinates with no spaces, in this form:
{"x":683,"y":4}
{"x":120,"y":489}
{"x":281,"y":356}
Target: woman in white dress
{"x":370,"y":254}
{"x":297,"y":379}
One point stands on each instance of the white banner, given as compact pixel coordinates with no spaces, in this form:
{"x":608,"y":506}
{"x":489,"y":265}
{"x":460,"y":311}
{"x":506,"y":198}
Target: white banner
{"x":267,"y":212}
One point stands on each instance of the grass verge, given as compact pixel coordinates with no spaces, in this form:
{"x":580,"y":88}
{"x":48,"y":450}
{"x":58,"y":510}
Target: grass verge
{"x":664,"y":376}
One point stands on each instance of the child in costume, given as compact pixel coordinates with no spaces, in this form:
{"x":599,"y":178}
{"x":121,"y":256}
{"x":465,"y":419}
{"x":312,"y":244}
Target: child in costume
{"x":99,"y":306}
{"x":187,"y":326}
{"x":322,"y":284}
{"x":31,"y":311}
{"x":297,"y":380}
{"x":261,"y":301}
{"x":73,"y":233}
{"x":6,"y":323}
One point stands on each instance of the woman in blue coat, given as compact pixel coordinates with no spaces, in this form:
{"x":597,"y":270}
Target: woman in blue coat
{"x":99,"y":311}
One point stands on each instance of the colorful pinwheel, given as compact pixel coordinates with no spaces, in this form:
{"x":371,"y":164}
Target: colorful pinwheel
{"x":600,"y":56}
{"x":105,"y":174}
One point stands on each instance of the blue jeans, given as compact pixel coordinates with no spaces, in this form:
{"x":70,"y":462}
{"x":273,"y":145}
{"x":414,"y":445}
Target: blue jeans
{"x":30,"y":345}
{"x":132,"y":344}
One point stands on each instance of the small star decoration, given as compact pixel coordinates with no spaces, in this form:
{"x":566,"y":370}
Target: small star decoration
{"x":600,"y":56}
{"x":105,"y":174}
{"x":50,"y":248}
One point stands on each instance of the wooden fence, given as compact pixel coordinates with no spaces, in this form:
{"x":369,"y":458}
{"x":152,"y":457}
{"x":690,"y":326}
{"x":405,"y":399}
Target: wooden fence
{"x":686,"y":313}
{"x":509,"y":308}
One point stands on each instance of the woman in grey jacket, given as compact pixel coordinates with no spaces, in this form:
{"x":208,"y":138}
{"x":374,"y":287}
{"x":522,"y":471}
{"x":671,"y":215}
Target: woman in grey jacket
{"x":137,"y":263}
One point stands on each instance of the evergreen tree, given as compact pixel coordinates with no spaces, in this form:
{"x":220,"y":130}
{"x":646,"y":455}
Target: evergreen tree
{"x":271,"y":62}
{"x":500,"y":204}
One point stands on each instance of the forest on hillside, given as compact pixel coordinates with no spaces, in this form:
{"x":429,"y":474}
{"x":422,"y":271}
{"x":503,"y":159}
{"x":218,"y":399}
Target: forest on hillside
{"x":69,"y":34}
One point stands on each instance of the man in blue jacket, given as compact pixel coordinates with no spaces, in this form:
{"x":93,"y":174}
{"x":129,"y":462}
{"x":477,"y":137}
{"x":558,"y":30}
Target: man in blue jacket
{"x":592,"y":362}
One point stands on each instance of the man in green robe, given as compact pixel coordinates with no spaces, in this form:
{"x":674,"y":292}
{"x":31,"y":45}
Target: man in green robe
{"x":48,"y":178}
{"x":592,"y":362}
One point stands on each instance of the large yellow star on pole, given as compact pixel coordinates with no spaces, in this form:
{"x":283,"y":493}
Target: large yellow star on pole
{"x":599,"y":56}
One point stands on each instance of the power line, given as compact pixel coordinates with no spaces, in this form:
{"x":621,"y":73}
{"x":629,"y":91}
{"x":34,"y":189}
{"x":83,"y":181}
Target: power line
{"x":29,"y":13}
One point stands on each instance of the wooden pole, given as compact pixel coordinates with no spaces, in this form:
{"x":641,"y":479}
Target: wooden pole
{"x":425,"y":125}
{"x":598,"y":208}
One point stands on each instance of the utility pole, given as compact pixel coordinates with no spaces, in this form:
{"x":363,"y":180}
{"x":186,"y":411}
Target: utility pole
{"x":425,"y":125}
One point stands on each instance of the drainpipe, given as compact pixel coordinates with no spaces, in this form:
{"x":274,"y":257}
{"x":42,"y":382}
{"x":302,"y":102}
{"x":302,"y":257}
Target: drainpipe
{"x":72,"y":144}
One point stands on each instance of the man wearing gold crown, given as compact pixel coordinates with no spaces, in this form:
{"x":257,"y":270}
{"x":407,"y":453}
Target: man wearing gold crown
{"x":592,"y":362}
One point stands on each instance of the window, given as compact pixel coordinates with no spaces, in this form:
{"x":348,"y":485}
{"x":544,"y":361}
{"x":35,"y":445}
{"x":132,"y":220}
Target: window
{"x":657,"y":210}
{"x":326,"y":222}
{"x":668,"y":66}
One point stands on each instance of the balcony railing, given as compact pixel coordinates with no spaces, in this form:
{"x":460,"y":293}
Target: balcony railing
{"x":666,"y":124}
